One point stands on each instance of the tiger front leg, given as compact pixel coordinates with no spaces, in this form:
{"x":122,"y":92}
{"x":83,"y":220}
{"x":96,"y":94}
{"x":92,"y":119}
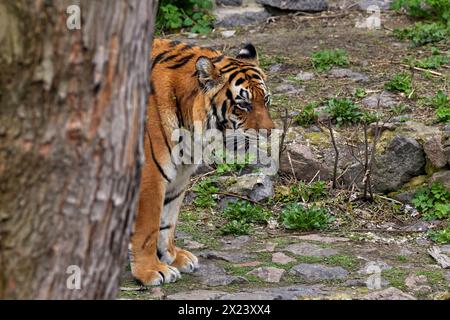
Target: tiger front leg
{"x":181,"y":259}
{"x":146,"y":267}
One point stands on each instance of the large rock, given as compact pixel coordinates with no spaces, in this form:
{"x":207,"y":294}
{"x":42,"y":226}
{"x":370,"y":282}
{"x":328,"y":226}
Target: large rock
{"x":255,"y":186}
{"x":296,"y":5}
{"x":435,"y":152}
{"x":234,"y":3}
{"x":403,"y":160}
{"x":318,"y":272}
{"x":239,"y":16}
{"x":442,"y":177}
{"x":381,"y":4}
{"x":300,"y":159}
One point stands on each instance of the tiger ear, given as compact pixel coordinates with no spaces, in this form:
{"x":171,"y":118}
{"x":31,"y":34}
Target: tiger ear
{"x":248,"y":53}
{"x":208,"y":75}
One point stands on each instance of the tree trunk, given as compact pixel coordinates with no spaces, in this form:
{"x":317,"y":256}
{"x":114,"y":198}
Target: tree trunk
{"x":72,"y":111}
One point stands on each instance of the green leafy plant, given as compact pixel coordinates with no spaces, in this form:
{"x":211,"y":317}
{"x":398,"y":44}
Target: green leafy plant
{"x":441,"y":236}
{"x":399,"y":109}
{"x":307,"y":115}
{"x":343,"y":111}
{"x":241,"y":214}
{"x":441,"y":103}
{"x":205,"y":191}
{"x":401,"y":82}
{"x":360,"y":93}
{"x":236,"y":227}
{"x":192,"y":14}
{"x":426,"y":9}
{"x":433,"y":202}
{"x":302,"y":192}
{"x":298,"y":217}
{"x":435,"y":61}
{"x":326,"y":59}
{"x":423,"y":33}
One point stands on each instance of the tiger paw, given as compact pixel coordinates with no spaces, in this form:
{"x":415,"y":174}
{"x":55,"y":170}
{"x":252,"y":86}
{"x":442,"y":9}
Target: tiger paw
{"x":157,"y":274}
{"x":185,"y":261}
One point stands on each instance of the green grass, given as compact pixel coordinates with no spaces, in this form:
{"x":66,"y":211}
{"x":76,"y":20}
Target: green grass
{"x":241,"y":215}
{"x":347,"y":262}
{"x":401,"y":258}
{"x":433,"y":202}
{"x":301,"y":192}
{"x":441,"y":103}
{"x":401,"y":82}
{"x":344,"y":111}
{"x":307,"y":115}
{"x":326,"y":59}
{"x":396,"y":277}
{"x":265,"y":60}
{"x":434,"y":277}
{"x":423,"y":33}
{"x":298,"y":217}
{"x":434,"y":61}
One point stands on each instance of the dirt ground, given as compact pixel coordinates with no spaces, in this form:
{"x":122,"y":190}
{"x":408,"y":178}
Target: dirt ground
{"x":347,"y":262}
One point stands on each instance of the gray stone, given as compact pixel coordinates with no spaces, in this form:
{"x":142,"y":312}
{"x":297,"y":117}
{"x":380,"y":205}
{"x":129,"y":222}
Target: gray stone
{"x":212,"y":275}
{"x":305,"y":76}
{"x":197,"y":295}
{"x":234,"y":3}
{"x":296,"y":5}
{"x":281,"y":293}
{"x":442,"y":177}
{"x":234,"y":257}
{"x":435,"y":152}
{"x":256,"y":186}
{"x":318,"y":272}
{"x":277,"y":67}
{"x":241,"y":18}
{"x":309,"y":249}
{"x":268,"y":274}
{"x":228,"y":33}
{"x":446,"y":128}
{"x":445,"y":248}
{"x":234,"y":243}
{"x":388,"y":294}
{"x":405,"y":197}
{"x":381,"y":4}
{"x":403,"y":160}
{"x":387,"y":100}
{"x":299,"y":157}
{"x":347,"y":73}
{"x":281,"y":258}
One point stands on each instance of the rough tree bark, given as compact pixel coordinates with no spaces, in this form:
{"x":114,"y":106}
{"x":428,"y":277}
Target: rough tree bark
{"x":72,"y":110}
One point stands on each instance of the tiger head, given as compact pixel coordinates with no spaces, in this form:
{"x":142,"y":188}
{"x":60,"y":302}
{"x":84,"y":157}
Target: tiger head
{"x":237,"y":90}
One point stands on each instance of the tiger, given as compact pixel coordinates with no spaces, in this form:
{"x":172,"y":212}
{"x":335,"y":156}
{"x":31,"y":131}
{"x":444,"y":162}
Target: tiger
{"x":188,"y":84}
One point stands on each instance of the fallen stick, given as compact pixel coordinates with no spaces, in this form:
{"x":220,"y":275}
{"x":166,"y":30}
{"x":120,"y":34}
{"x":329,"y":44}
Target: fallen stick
{"x":422,"y":69}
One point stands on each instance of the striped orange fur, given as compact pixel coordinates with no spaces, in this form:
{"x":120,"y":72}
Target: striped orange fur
{"x":189,"y":85}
